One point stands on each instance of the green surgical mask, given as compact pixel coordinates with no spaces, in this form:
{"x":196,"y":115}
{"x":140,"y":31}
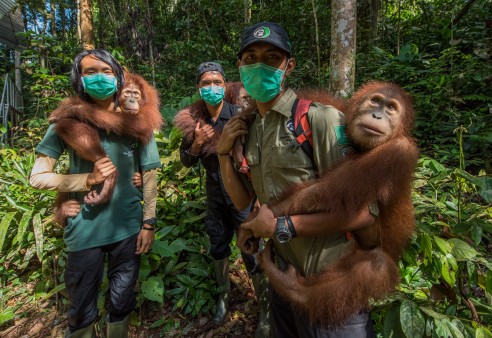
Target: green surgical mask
{"x":99,"y":86}
{"x":262,"y":82}
{"x":213,"y":95}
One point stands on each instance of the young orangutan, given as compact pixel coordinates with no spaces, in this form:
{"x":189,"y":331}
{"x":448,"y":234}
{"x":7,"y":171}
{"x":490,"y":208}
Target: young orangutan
{"x":77,"y":123}
{"x":379,"y":119}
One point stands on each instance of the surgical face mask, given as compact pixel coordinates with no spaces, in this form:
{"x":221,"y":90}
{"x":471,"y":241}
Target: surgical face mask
{"x":262,"y":82}
{"x":100,"y":86}
{"x":213,"y":95}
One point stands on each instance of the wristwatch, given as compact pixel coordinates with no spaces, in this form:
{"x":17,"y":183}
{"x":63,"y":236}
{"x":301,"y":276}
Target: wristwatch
{"x":150,"y":221}
{"x":282,"y":232}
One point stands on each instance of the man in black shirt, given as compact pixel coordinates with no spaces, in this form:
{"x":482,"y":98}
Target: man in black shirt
{"x":201,"y":124}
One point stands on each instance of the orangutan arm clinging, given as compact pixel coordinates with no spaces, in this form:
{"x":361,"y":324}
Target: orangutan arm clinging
{"x":371,"y":176}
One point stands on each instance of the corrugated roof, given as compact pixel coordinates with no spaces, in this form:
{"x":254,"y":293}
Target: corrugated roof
{"x":11,"y":23}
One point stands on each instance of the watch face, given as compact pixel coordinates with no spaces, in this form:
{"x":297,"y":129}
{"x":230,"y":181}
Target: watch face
{"x":282,"y":237}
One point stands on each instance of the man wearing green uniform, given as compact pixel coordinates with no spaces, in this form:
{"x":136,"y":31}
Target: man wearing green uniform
{"x":277,"y":163}
{"x":119,"y":229}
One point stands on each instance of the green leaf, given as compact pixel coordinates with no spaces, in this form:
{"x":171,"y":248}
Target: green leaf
{"x":14,"y":203}
{"x":145,"y":268}
{"x":56,"y":289}
{"x":38,"y":235}
{"x":6,"y":315}
{"x":447,"y":271}
{"x":411,"y":319}
{"x":4,"y":225}
{"x":461,"y":250}
{"x":23,"y":224}
{"x":443,"y":245}
{"x":488,"y":282}
{"x":482,"y":332}
{"x":392,"y":326}
{"x":153,"y":289}
{"x":436,"y":167}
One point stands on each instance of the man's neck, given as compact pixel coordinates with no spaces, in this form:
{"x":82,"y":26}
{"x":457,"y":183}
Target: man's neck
{"x":214,"y":111}
{"x":264,"y":107}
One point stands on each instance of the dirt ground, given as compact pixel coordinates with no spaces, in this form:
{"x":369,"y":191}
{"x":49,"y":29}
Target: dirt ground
{"x":46,"y":320}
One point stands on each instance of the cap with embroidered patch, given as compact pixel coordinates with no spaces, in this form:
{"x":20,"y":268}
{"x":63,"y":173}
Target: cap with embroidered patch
{"x":268,"y":32}
{"x":208,"y":67}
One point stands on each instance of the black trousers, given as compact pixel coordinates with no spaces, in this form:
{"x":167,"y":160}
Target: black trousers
{"x":84,"y":274}
{"x":287,"y":323}
{"x":221,"y":222}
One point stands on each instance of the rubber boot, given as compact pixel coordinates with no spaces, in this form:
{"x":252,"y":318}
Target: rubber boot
{"x":117,"y":329}
{"x":223,"y":282}
{"x":262,"y":291}
{"x":86,"y":332}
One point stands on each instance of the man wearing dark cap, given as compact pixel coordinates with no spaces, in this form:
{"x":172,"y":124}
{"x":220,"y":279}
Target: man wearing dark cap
{"x":276,"y":164}
{"x":201,"y":124}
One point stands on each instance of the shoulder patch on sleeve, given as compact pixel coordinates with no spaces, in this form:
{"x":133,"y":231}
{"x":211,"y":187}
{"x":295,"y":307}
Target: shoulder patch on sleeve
{"x":341,"y":134}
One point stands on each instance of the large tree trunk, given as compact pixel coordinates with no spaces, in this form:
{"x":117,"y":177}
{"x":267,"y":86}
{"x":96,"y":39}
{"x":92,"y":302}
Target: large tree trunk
{"x":342,"y":55}
{"x":86,"y":25}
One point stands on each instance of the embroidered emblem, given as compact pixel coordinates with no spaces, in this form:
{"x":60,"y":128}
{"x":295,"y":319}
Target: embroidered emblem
{"x":262,"y":32}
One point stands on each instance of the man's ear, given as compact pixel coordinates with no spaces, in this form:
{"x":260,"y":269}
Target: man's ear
{"x":291,"y":64}
{"x":238,"y":63}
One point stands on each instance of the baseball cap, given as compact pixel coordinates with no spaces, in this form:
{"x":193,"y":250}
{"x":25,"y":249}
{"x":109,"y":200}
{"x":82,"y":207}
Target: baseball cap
{"x":268,"y":32}
{"x":208,"y":67}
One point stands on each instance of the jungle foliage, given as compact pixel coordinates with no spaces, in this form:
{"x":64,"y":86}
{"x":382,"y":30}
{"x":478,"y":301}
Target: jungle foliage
{"x":438,"y":50}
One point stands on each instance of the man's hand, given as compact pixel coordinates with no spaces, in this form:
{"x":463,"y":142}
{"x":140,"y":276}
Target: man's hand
{"x":203,"y":134}
{"x":145,"y":240}
{"x":102,"y":169}
{"x":263,"y":225}
{"x":232,"y":129}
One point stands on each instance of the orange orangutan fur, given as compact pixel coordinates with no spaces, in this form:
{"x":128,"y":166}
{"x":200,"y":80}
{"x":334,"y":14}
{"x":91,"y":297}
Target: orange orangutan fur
{"x":77,"y":122}
{"x":187,"y":118}
{"x":383,"y":174}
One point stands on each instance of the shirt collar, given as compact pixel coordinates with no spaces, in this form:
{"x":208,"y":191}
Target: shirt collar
{"x":284,"y":104}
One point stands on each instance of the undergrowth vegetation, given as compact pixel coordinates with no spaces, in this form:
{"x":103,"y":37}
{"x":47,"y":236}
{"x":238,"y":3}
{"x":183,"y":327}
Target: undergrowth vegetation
{"x":446,"y":284}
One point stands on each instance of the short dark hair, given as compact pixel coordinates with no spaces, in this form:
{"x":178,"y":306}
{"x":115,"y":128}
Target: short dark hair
{"x":104,"y":56}
{"x":209,"y":67}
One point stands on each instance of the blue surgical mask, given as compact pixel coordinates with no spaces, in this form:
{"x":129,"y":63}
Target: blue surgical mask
{"x":213,"y":95}
{"x":262,"y":82}
{"x":100,"y":86}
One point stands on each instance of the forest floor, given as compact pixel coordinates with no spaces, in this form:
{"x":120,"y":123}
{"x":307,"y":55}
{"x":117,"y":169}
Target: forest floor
{"x":48,"y":320}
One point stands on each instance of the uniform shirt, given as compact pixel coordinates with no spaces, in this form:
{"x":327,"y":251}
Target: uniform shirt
{"x":277,"y":163}
{"x":120,"y":218}
{"x":214,"y":186}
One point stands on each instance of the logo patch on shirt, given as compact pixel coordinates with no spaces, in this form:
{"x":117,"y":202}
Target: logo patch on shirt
{"x":290,"y":125}
{"x":128,"y":153}
{"x":341,"y":133}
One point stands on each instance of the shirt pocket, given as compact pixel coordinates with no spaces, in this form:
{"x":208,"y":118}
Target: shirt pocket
{"x":289,"y":166}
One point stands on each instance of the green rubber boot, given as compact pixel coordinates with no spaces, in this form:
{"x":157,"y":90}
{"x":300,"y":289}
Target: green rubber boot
{"x":262,"y":291}
{"x":86,"y":332}
{"x":223,"y":282}
{"x":117,"y":329}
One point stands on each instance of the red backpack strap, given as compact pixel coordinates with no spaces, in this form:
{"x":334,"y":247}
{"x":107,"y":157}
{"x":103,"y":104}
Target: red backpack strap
{"x":302,"y":129}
